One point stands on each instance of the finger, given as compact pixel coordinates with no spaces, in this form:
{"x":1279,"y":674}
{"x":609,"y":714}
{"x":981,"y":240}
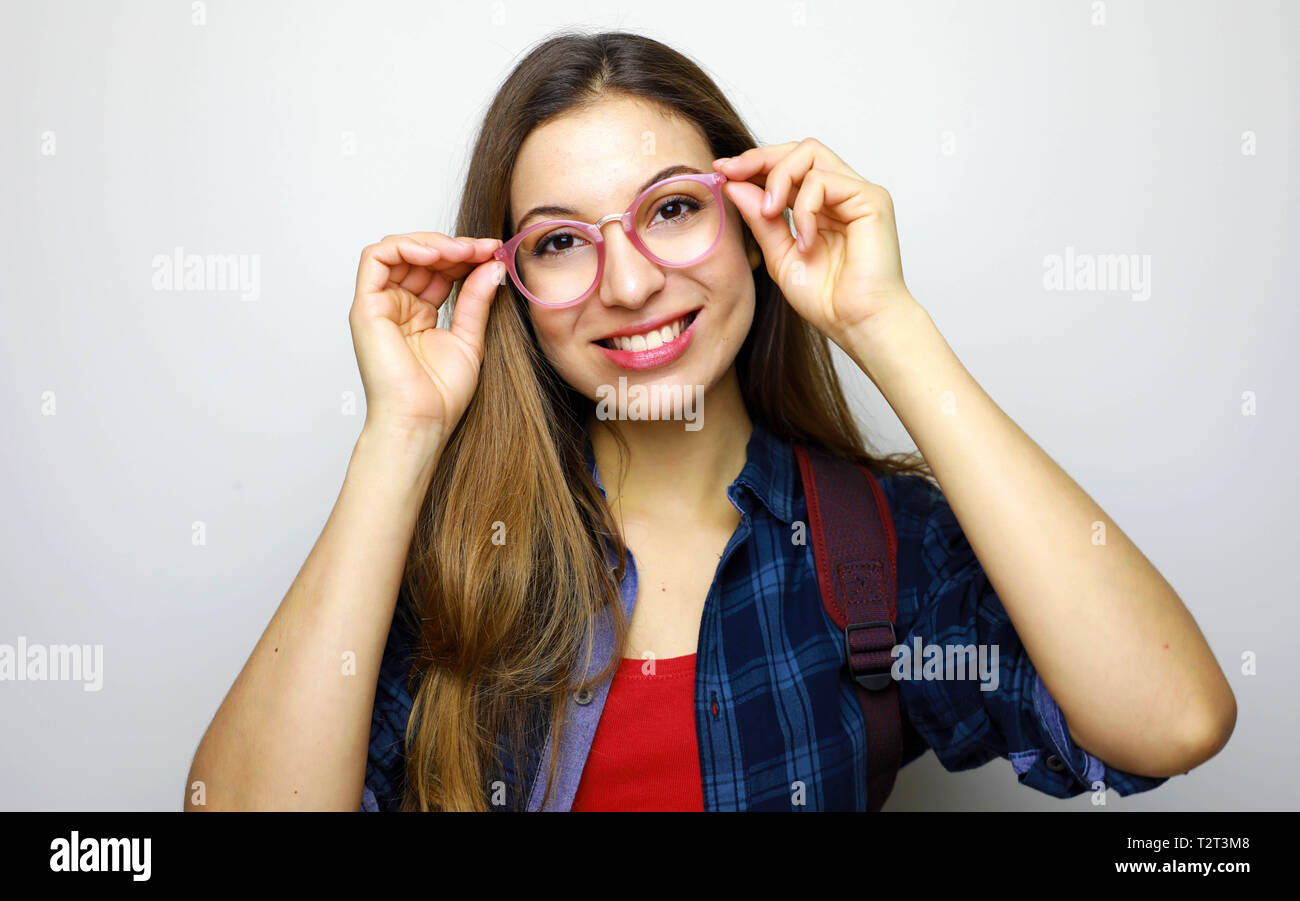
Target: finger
{"x":438,"y":239}
{"x":849,"y":196}
{"x":757,"y":162}
{"x":438,"y":288}
{"x":490,"y":243}
{"x":788,"y":173}
{"x":835,"y":196}
{"x":391,"y":258}
{"x":480,"y":249}
{"x":812,"y":194}
{"x":452,"y":252}
{"x":418,"y":279}
{"x":779,"y":167}
{"x":771,"y":232}
{"x":441,"y":278}
{"x":469,"y":318}
{"x":754,"y":163}
{"x":487,"y":249}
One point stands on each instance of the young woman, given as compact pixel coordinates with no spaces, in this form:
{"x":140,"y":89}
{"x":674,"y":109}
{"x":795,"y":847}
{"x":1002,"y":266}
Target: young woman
{"x":566,"y":605}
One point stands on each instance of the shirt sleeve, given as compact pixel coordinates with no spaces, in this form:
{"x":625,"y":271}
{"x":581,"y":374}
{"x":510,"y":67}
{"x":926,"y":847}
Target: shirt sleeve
{"x":385,"y":759}
{"x":1002,"y":708}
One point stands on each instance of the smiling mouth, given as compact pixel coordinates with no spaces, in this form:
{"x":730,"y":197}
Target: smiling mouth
{"x":653,"y":338}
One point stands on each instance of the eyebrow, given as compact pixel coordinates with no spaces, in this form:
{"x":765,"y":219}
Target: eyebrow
{"x":552,"y":210}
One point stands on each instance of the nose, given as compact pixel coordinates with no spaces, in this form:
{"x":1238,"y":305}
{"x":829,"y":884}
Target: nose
{"x":629,"y":278}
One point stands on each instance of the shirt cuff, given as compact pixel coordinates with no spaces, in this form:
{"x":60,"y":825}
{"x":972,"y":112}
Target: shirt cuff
{"x":1081,"y":765}
{"x":1061,"y":767}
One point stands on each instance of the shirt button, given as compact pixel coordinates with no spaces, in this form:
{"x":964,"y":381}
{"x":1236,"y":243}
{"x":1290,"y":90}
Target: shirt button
{"x":583,"y":696}
{"x":1054,"y":763}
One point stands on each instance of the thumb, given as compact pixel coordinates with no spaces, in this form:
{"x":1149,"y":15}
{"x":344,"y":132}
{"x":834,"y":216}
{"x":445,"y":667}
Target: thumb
{"x":771,"y":232}
{"x":474,"y":300}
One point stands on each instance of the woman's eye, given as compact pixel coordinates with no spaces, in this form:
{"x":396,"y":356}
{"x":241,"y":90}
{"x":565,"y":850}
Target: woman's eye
{"x":678,"y":208}
{"x":557,"y":242}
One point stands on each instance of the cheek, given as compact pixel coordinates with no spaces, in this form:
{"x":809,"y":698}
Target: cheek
{"x":553,"y":333}
{"x":732,"y":294}
{"x":730,"y":280}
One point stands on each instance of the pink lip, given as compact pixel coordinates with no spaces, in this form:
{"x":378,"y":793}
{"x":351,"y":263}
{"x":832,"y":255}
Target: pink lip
{"x":653,"y":359}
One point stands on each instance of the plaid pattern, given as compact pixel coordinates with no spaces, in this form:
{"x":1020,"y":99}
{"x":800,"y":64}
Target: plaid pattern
{"x":778,"y":725}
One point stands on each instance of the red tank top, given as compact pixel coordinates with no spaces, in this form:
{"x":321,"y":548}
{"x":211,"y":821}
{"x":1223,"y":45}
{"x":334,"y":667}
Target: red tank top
{"x":644,"y":755}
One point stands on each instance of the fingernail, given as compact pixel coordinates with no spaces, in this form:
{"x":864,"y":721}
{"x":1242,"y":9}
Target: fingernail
{"x":723,"y":161}
{"x":767,"y":201}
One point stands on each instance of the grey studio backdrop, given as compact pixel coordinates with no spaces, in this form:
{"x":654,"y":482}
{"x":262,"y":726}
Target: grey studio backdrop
{"x":139,"y":418}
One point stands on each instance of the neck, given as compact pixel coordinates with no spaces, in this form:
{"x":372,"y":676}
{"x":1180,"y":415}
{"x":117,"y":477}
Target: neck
{"x":669,"y":469}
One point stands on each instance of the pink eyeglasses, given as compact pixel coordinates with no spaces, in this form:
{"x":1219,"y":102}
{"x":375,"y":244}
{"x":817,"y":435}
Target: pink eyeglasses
{"x":558,"y":263}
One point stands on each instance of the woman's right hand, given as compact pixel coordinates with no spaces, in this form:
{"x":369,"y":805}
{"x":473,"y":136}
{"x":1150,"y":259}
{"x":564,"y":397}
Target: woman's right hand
{"x":419,"y":378}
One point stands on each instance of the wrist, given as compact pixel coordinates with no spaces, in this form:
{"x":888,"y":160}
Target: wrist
{"x":900,"y":333}
{"x":414,"y":435}
{"x":405,"y":452}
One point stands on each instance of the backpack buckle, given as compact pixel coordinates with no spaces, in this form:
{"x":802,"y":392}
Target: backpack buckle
{"x":870,"y":678}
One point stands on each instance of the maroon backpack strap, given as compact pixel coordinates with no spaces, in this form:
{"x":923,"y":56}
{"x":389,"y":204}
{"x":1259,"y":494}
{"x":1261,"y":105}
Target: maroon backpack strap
{"x":855,"y":549}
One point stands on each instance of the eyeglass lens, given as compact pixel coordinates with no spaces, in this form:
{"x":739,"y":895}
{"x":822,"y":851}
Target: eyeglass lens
{"x":677,"y":222}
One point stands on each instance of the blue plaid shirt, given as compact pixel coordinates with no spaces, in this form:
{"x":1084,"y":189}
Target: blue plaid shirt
{"x":778,"y":725}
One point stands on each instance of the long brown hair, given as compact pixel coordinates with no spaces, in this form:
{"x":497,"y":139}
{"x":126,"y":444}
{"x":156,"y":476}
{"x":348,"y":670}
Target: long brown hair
{"x":507,"y":572}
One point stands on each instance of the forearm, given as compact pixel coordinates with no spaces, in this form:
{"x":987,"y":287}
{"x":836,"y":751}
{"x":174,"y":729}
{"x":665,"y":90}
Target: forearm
{"x":293,"y":731}
{"x":1113,"y":642}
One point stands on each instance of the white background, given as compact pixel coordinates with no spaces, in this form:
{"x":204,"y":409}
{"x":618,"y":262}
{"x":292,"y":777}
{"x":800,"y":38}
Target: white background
{"x":174,"y":407}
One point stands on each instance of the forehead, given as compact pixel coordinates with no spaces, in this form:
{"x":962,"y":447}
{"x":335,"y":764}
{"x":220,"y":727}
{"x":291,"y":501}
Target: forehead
{"x":600,"y":154}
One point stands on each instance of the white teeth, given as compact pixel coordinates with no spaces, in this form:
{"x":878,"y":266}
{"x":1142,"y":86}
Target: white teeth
{"x":650,"y":340}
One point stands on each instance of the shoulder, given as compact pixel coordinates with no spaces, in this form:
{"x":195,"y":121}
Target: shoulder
{"x":916,"y":506}
{"x":932,"y":548}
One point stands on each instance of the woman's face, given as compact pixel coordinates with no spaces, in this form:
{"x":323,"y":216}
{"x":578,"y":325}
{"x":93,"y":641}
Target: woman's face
{"x":596,"y":162}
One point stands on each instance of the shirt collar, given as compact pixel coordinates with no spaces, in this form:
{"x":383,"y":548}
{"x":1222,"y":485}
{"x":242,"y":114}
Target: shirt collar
{"x":769,"y":474}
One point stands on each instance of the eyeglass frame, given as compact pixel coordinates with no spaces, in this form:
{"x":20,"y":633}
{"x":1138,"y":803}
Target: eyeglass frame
{"x":506,"y":252}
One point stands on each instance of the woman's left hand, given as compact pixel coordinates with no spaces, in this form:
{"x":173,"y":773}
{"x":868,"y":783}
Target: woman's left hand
{"x":849,"y":271}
